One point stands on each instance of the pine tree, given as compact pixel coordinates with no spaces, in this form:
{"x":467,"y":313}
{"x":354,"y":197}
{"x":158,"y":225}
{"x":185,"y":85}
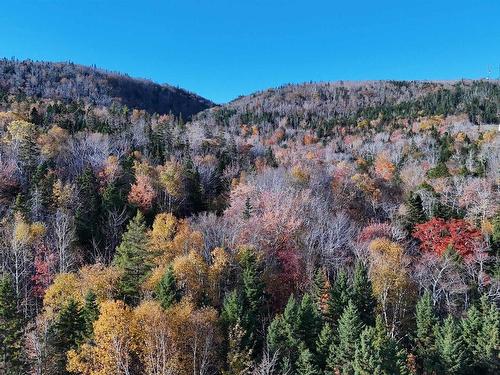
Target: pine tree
{"x":11,"y":330}
{"x":323,"y":343}
{"x":87,"y":213}
{"x":67,"y":332}
{"x":309,"y":322}
{"x":90,"y":313}
{"x":367,"y":359}
{"x":283,"y":335}
{"x":450,"y":347}
{"x":415,"y":212}
{"x":362,"y":294}
{"x":320,"y":289}
{"x":349,"y":331}
{"x":305,"y":363}
{"x":252,"y":298}
{"x":247,"y":213}
{"x":471,"y":330}
{"x":193,"y":188}
{"x":339,"y":296}
{"x":425,"y":346}
{"x":488,"y":339}
{"x":166,"y":291}
{"x":393,"y":356}
{"x":132,"y":257}
{"x":231,"y":310}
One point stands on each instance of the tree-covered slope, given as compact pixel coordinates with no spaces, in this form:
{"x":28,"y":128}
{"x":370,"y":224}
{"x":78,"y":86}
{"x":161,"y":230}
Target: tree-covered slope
{"x":71,"y":82}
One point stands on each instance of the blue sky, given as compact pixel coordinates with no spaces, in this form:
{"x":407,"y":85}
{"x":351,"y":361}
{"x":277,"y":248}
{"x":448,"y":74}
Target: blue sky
{"x":222,"y":49}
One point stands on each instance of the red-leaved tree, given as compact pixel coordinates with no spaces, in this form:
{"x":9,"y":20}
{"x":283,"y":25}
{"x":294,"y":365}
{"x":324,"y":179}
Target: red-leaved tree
{"x":437,"y":235}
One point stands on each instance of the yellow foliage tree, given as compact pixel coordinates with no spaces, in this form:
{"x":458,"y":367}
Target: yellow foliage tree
{"x":390,"y":282}
{"x":110,"y":352}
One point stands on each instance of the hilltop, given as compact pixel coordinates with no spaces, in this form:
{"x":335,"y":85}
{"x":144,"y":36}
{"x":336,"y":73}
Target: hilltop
{"x":71,"y":82}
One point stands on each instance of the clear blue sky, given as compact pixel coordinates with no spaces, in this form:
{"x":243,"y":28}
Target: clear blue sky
{"x":222,"y":48}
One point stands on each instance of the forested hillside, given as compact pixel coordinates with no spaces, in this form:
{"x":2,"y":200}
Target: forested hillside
{"x":69,"y":82}
{"x":331,"y":228}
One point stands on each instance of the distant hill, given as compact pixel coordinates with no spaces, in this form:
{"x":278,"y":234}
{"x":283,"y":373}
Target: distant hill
{"x":67,"y":81}
{"x":323,"y":106}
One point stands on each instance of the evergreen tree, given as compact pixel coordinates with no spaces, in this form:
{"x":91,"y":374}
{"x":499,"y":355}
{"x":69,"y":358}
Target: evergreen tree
{"x":87,"y":213}
{"x":415,"y":212}
{"x":11,"y":330}
{"x":231,"y":310}
{"x":349,"y":331}
{"x":67,"y":332}
{"x":283,"y":335}
{"x":367,"y":359}
{"x":309,"y":322}
{"x":362,"y":294}
{"x":471,"y":330}
{"x":166,"y":291}
{"x":247,"y":213}
{"x":252,"y":298}
{"x":132,"y":257}
{"x":425,"y":346}
{"x":339,"y":296}
{"x":90,"y":313}
{"x":393,"y":356}
{"x":488,"y":339}
{"x":192,"y":188}
{"x":450,"y":347}
{"x":320,"y":290}
{"x":323,"y":343}
{"x":305,"y":363}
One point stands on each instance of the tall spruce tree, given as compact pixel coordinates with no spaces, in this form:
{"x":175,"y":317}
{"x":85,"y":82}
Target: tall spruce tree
{"x":362,"y":294}
{"x":67,"y":333}
{"x":449,"y":347}
{"x":90,"y":313}
{"x":252,"y":298}
{"x":424,"y":341}
{"x":133,"y":258}
{"x":320,"y":290}
{"x":339,"y":296}
{"x":367,"y":358}
{"x":305,"y":363}
{"x":415,"y":212}
{"x":309,"y":323}
{"x":349,"y":332}
{"x":488,"y":340}
{"x":167,"y":292}
{"x":11,"y":330}
{"x":88,"y":212}
{"x":324,"y":342}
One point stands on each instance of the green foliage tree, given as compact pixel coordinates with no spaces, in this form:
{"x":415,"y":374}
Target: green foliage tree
{"x":305,"y":363}
{"x":132,"y":257}
{"x":424,"y":341}
{"x":362,"y":294}
{"x":167,"y":292}
{"x":415,"y":212}
{"x":67,"y":332}
{"x":309,"y":323}
{"x":252,"y":298}
{"x":349,"y":332}
{"x":324,"y":342}
{"x":90,"y":313}
{"x":339,"y":296}
{"x":88,"y":212}
{"x":449,"y":347}
{"x":367,"y":359}
{"x":11,"y":330}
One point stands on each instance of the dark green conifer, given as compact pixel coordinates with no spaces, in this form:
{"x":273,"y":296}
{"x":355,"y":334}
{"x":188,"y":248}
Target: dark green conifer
{"x":166,"y":291}
{"x":362,"y":294}
{"x":11,"y":330}
{"x":132,"y":257}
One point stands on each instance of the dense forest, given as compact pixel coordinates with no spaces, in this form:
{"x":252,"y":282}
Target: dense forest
{"x":321,"y":228}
